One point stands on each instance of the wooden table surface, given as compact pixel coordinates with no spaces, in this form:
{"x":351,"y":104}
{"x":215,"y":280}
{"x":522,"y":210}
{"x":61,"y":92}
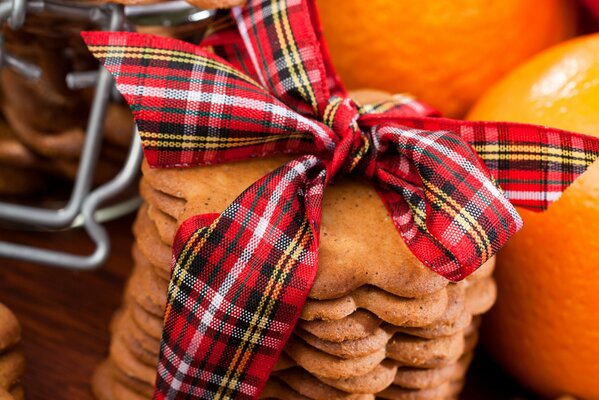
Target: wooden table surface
{"x":65,"y":316}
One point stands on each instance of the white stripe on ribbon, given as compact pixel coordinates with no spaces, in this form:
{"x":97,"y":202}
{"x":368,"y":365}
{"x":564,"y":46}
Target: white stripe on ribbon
{"x":304,"y":124}
{"x":530,"y":195}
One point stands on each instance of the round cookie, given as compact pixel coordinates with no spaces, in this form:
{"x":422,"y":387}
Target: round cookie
{"x":106,"y":387}
{"x":169,"y":205}
{"x":407,"y":350}
{"x":276,"y":389}
{"x":348,"y":348}
{"x":357,"y":325}
{"x":165,"y":224}
{"x":124,"y":383}
{"x":484,"y":271}
{"x":423,"y":378}
{"x":18,"y":392}
{"x":455,"y":318}
{"x":4,"y":395}
{"x":369,"y":96}
{"x":307,"y":385}
{"x":10,"y":330}
{"x":102,"y":381}
{"x":21,"y":181}
{"x":12,"y":366}
{"x":147,"y":322}
{"x":137,"y":350}
{"x":426,"y":353}
{"x":118,"y":125}
{"x":284,"y":362}
{"x":438,"y":330}
{"x":126,"y":362}
{"x":393,"y":309}
{"x":328,"y":366}
{"x":146,"y":287}
{"x":136,"y":292}
{"x":376,"y":380}
{"x":13,"y":152}
{"x":447,"y":326}
{"x":480,"y":295}
{"x":66,"y":144}
{"x":444,"y":391}
{"x":146,"y":342}
{"x":149,"y":244}
{"x":39,"y":103}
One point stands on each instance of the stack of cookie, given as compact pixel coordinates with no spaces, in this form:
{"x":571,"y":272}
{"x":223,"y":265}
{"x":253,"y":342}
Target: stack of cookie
{"x":45,"y":120}
{"x":371,"y":353}
{"x":12,"y":362}
{"x":377,"y":323}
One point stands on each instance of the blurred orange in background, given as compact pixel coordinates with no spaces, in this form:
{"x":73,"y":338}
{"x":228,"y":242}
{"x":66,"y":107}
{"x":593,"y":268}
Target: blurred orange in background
{"x":445,"y":52}
{"x":544,"y":328}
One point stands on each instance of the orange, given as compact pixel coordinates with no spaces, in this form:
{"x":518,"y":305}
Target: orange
{"x":544,"y":328}
{"x":446,"y":52}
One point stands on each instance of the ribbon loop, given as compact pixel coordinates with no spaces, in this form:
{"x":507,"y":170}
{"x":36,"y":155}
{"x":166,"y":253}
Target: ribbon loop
{"x":443,"y":200}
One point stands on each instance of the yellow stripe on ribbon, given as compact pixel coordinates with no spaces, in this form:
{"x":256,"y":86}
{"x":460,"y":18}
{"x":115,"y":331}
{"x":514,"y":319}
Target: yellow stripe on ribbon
{"x":262,"y":314}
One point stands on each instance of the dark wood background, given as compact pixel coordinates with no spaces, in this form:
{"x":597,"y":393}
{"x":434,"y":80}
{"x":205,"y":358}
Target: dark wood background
{"x":65,"y":316}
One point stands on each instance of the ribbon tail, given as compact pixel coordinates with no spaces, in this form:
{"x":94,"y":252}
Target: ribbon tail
{"x":532,"y":164}
{"x":238,"y":286}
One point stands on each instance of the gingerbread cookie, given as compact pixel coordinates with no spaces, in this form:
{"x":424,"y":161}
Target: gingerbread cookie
{"x":146,"y":342}
{"x":426,"y":353}
{"x":148,"y":323}
{"x":446,"y":390}
{"x":171,"y":206}
{"x":165,"y":224}
{"x":151,"y":247}
{"x":216,"y":186}
{"x":121,"y":329}
{"x":105,"y":386}
{"x":146,"y":287}
{"x":424,"y":378}
{"x":307,"y":385}
{"x":318,"y":362}
{"x":388,"y":307}
{"x":376,"y":380}
{"x":126,"y":362}
{"x":12,"y":366}
{"x":348,"y":348}
{"x":481,"y":296}
{"x":276,"y":389}
{"x":357,"y":325}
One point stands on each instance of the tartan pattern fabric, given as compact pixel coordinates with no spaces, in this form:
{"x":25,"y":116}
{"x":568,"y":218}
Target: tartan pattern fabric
{"x":240,"y":278}
{"x":263,"y":256}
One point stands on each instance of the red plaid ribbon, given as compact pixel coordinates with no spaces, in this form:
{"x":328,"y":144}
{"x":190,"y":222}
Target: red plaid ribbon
{"x":240,"y":279}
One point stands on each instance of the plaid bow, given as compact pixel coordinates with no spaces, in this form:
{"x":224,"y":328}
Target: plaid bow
{"x":240,"y":278}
